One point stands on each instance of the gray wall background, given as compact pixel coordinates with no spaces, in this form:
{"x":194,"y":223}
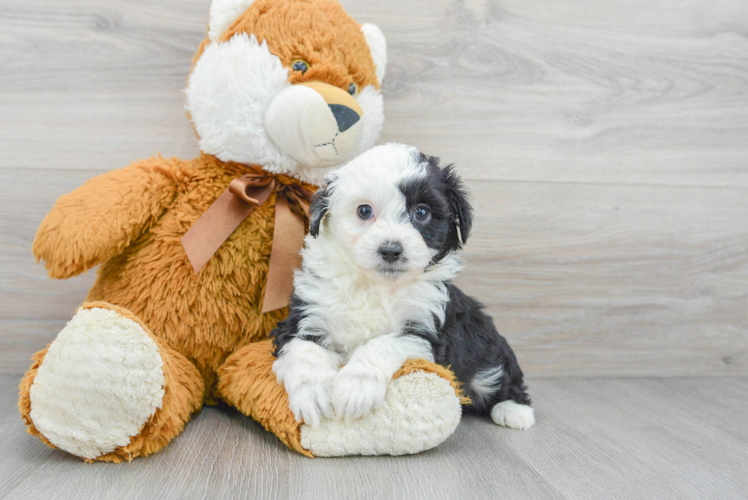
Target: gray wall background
{"x":605,"y":143}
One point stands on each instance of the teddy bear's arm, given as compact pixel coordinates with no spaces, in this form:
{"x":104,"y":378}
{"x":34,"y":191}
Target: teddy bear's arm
{"x":103,"y":216}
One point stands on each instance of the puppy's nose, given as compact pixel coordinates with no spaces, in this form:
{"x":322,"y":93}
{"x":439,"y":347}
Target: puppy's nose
{"x":344,"y":115}
{"x":391,"y":251}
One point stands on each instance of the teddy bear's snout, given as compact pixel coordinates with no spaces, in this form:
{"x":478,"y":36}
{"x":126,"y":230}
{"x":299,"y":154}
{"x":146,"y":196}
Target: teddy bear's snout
{"x":318,"y":124}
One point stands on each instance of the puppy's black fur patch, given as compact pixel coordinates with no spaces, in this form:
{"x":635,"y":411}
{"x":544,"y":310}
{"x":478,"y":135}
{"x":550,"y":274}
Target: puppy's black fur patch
{"x":451,"y":213}
{"x":288,"y":329}
{"x":318,"y":208}
{"x":468,"y":343}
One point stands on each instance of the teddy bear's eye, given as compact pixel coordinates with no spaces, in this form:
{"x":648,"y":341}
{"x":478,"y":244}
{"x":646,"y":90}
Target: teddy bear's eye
{"x":299,"y":65}
{"x":353,"y":89}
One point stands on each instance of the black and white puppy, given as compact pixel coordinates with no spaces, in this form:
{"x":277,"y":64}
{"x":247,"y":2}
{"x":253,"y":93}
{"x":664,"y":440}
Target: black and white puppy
{"x":375,"y":289}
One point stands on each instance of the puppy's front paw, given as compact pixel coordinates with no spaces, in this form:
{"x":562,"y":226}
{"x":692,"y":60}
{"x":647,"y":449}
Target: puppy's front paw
{"x":310,"y":401}
{"x":358,"y":390}
{"x":309,"y":388}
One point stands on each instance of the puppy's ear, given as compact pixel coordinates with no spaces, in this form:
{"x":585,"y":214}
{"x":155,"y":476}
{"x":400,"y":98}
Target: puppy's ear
{"x":318,"y":208}
{"x":459,"y":204}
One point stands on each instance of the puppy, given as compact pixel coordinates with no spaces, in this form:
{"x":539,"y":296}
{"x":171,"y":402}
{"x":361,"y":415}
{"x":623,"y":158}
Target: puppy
{"x":375,"y":289}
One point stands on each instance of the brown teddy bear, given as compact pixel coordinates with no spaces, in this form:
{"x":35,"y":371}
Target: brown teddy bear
{"x":195,"y":255}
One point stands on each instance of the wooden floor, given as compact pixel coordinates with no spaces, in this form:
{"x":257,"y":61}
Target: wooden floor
{"x":595,"y":438}
{"x":605,"y":143}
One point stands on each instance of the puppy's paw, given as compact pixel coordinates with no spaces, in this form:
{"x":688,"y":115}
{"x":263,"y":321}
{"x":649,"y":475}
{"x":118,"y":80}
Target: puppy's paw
{"x":309,"y":388}
{"x":358,"y":391}
{"x":311,"y":401}
{"x":513,"y":415}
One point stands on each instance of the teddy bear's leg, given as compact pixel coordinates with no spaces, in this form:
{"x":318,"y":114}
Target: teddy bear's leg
{"x":421,"y":409}
{"x":107,"y":389}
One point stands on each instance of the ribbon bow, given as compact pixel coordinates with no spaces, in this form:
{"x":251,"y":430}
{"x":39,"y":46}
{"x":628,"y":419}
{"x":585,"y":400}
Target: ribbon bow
{"x":243,"y":195}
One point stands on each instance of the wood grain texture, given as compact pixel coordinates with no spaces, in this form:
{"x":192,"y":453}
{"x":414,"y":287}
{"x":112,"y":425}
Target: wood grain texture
{"x":595,"y":438}
{"x":604,"y":142}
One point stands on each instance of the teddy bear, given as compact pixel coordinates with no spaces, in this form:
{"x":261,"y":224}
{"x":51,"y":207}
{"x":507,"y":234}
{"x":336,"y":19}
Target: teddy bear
{"x":196,"y":256}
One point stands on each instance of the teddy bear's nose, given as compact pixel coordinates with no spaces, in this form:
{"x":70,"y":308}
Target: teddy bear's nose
{"x":344,"y":115}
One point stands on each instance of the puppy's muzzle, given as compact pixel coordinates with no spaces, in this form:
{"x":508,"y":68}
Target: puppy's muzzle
{"x":316,"y":123}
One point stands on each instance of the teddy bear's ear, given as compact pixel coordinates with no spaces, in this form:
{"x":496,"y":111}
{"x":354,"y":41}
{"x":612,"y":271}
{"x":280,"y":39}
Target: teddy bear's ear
{"x":377,"y":46}
{"x":222,"y":14}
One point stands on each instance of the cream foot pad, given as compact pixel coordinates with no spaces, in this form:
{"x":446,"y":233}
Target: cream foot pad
{"x":100,"y":382}
{"x":419,"y":412}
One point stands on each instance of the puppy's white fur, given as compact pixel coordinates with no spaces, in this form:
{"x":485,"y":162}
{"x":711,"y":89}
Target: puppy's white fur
{"x":513,"y":415}
{"x":353,"y":309}
{"x":308,"y":372}
{"x":487,"y":381}
{"x":360,"y":385}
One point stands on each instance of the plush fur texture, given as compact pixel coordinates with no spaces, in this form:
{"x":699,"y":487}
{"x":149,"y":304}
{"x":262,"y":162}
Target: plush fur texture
{"x":229,"y":91}
{"x":183,"y":392}
{"x":223,"y":13}
{"x":204,"y":316}
{"x":112,"y":376}
{"x":238,"y":74}
{"x":332,"y":43}
{"x":407,"y":425}
{"x":130,"y":222}
{"x":375,"y":289}
{"x":416,"y":406}
{"x":377,"y":46}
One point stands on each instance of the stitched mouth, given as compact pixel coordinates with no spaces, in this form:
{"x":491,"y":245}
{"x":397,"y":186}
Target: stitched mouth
{"x":330,"y":143}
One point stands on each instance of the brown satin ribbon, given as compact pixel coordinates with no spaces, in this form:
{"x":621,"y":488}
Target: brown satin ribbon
{"x":243,"y":195}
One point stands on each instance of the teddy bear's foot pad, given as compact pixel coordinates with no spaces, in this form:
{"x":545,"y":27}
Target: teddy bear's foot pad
{"x":100,"y":382}
{"x":419,"y":412}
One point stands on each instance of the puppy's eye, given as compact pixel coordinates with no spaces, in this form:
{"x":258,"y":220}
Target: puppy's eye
{"x":300,"y":65}
{"x":353,"y":89}
{"x":364,"y":212}
{"x":422,"y":213}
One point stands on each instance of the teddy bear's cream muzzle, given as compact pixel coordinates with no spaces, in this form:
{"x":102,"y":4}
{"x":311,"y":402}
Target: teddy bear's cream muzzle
{"x":318,"y":124}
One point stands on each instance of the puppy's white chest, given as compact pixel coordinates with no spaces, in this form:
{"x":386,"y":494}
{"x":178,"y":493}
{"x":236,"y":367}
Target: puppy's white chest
{"x":367,"y":316}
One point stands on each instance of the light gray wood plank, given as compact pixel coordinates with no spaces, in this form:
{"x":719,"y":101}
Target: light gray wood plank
{"x":634,"y":435}
{"x":587,"y":279}
{"x":455,"y":469}
{"x":554,"y":103}
{"x":96,"y":84}
{"x":583,"y":279}
{"x":595,"y":438}
{"x":626,"y":92}
{"x":606,"y":92}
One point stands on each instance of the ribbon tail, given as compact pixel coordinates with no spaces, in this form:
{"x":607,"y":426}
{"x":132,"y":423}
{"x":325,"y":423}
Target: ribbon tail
{"x":288,"y":239}
{"x":207,"y":235}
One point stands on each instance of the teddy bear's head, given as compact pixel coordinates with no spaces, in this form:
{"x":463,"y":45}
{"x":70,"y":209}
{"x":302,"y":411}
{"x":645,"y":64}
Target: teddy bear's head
{"x":290,"y":85}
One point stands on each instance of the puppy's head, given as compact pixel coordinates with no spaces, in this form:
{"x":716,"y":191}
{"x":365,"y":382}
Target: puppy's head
{"x":393,"y":211}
